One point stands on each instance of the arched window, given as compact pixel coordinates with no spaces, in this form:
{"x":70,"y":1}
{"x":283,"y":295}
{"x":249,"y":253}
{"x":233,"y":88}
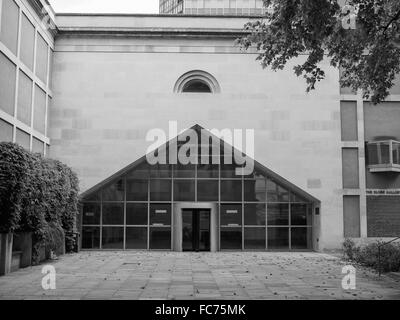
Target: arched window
{"x":197,"y":81}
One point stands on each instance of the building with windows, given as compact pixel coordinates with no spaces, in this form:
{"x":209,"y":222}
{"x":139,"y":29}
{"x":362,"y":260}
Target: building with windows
{"x":212,"y":7}
{"x":326,"y":162}
{"x":26,"y":59}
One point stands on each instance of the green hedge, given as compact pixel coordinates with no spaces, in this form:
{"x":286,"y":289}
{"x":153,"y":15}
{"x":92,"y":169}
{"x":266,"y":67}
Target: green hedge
{"x":368,"y":255}
{"x":37,"y":195}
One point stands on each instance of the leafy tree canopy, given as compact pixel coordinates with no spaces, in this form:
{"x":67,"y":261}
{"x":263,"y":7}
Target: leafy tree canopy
{"x":368,"y":53}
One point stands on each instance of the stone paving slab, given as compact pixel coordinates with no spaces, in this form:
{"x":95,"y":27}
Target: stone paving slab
{"x":194,"y":276}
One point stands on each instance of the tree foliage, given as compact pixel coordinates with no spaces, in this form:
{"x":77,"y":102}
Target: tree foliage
{"x":38,"y":195}
{"x":368,"y":55}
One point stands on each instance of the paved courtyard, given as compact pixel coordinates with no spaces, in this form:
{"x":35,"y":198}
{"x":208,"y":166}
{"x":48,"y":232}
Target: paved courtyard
{"x":161,"y":275}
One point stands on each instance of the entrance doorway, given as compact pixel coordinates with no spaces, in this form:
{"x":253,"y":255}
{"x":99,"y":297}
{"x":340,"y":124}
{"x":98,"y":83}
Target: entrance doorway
{"x":196,"y":230}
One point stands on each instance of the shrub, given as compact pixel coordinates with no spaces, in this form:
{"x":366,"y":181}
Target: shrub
{"x":37,"y":195}
{"x":15,"y":168}
{"x":368,"y":255}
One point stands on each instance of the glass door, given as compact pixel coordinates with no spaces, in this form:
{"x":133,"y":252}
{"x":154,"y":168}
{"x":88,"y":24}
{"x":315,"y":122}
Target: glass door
{"x":196,"y":230}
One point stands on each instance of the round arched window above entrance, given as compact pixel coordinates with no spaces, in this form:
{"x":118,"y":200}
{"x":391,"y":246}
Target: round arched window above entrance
{"x":197,"y":81}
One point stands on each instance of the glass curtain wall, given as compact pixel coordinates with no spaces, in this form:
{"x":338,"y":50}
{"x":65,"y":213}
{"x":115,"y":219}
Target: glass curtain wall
{"x":255,"y":212}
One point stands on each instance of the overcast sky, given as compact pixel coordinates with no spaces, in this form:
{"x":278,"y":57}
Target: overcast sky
{"x":105,"y":6}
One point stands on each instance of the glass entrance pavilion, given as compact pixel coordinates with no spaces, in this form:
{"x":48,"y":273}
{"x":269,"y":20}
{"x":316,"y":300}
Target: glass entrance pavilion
{"x":196,"y":207}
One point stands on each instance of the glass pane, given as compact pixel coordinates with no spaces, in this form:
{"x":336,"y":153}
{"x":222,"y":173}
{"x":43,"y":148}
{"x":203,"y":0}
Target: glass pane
{"x":160,"y":238}
{"x":255,"y":190}
{"x":160,"y":214}
{"x":114,"y":192}
{"x":379,"y":153}
{"x":91,"y":214}
{"x":276,"y":193}
{"x":160,"y":190}
{"x":136,"y":238}
{"x":231,"y":238}
{"x":300,"y":215}
{"x":161,"y":171}
{"x":207,"y":190}
{"x":184,"y":171}
{"x":210,"y":170}
{"x":93,"y":197}
{"x":137,"y":190}
{"x":142,"y":171}
{"x":231,"y":190}
{"x":113,"y":213}
{"x":296,"y":198}
{"x":301,"y":238}
{"x":231,"y":214}
{"x":254,"y":214}
{"x":136,"y":214}
{"x":396,"y":153}
{"x":254,"y":238}
{"x":187,"y":230}
{"x":90,"y":237}
{"x":113,"y":238}
{"x":184,"y":190}
{"x":278,"y":214}
{"x":278,"y":238}
{"x":256,"y":174}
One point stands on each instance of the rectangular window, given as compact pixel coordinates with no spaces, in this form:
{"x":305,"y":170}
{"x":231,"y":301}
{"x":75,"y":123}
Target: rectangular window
{"x":136,"y":238}
{"x":6,"y":131}
{"x":254,"y":214}
{"x":24,"y":113}
{"x":278,"y":214}
{"x":7,"y":85}
{"x":348,"y":114}
{"x":91,"y":238}
{"x":278,"y":238}
{"x":231,"y":190}
{"x":351,"y":216}
{"x":37,"y":146}
{"x":160,"y":190}
{"x":276,"y":193}
{"x":231,"y":214}
{"x":9,"y":25}
{"x":160,"y":238}
{"x":301,"y":238}
{"x":231,"y":238}
{"x":113,"y":214}
{"x":27,"y":42}
{"x":23,"y":139}
{"x":41,"y":59}
{"x":255,"y":190}
{"x":91,"y":214}
{"x":137,"y":190}
{"x":350,"y":168}
{"x":39,"y":117}
{"x":112,"y":238}
{"x":136,"y":214}
{"x":184,"y":190}
{"x":300,"y":215}
{"x":254,"y":238}
{"x":160,"y":214}
{"x":114,"y":192}
{"x":207,"y":190}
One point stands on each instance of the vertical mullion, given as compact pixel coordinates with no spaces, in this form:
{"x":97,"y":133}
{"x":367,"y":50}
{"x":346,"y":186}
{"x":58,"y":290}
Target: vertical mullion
{"x":124,"y":241}
{"x":391,"y":151}
{"x":266,"y":213}
{"x":242,"y":212}
{"x":148,"y":212}
{"x":101,"y":219}
{"x":290,"y":221}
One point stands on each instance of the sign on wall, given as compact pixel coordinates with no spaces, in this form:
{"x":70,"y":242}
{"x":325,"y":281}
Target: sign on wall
{"x":383,"y":192}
